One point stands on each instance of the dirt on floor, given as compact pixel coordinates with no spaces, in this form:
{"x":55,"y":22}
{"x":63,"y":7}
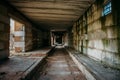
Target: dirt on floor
{"x":61,"y":67}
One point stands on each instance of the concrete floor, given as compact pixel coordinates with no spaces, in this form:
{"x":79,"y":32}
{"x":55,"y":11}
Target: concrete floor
{"x":21,"y":64}
{"x":61,"y":67}
{"x":93,"y":70}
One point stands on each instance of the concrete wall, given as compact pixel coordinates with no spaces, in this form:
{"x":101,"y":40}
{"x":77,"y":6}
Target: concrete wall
{"x":28,"y":37}
{"x":41,"y":38}
{"x":4,"y":32}
{"x":32,"y":36}
{"x":98,"y":36}
{"x":22,"y":32}
{"x":37,"y":38}
{"x":46,"y":38}
{"x":70,"y":37}
{"x":65,"y":39}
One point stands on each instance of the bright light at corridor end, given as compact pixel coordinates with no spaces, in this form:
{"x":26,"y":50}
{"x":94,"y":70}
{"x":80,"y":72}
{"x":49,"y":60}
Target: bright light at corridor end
{"x":59,"y":46}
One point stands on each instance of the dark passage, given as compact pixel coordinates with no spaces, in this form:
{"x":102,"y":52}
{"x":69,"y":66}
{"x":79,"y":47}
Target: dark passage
{"x":59,"y":39}
{"x":61,"y":67}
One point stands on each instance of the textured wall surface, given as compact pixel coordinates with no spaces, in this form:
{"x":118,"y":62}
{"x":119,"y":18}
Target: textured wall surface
{"x":98,"y":36}
{"x":4,"y":33}
{"x":23,"y":40}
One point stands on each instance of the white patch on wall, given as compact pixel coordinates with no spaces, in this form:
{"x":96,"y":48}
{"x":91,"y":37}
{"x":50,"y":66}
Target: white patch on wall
{"x":19,"y":33}
{"x":19,"y":44}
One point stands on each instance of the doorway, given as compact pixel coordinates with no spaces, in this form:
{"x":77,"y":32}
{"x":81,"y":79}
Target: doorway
{"x":17,"y":36}
{"x":59,"y":39}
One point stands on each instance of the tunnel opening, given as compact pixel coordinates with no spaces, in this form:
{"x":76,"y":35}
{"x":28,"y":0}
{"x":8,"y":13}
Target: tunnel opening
{"x":59,"y":38}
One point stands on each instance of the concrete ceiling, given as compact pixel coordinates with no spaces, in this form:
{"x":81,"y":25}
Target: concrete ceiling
{"x":52,"y":14}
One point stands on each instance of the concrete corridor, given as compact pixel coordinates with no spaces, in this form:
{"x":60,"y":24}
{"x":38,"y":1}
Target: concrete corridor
{"x":61,"y":67}
{"x":88,"y":29}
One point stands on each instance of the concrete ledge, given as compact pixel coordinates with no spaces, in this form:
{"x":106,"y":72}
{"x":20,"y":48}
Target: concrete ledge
{"x":87,"y":74}
{"x":34,"y":71}
{"x":31,"y":70}
{"x":92,"y":69}
{"x":24,"y":66}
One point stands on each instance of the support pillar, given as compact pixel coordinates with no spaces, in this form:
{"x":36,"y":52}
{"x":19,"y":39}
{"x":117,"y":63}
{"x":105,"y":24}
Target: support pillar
{"x":4,"y":32}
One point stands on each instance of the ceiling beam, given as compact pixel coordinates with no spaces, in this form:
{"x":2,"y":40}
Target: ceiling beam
{"x":53,"y":18}
{"x":63,"y":1}
{"x":50,"y":5}
{"x":66,"y":11}
{"x":52,"y":13}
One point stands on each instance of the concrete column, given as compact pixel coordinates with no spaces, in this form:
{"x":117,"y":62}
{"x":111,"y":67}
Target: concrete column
{"x":4,"y":32}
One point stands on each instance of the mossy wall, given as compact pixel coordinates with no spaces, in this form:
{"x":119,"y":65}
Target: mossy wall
{"x":99,"y":36}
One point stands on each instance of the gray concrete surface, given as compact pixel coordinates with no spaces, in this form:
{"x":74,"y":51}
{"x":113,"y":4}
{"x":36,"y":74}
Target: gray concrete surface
{"x":19,"y":65}
{"x":61,"y":67}
{"x":94,"y":70}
